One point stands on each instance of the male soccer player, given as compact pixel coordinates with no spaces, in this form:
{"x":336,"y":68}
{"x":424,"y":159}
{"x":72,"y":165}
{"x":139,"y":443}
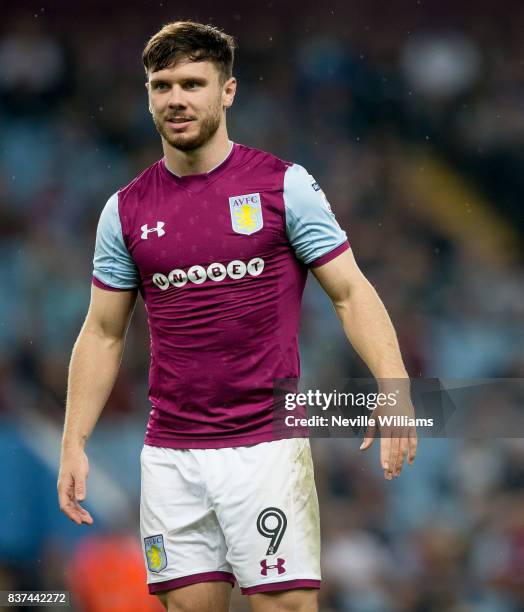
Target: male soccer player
{"x":218,"y":239}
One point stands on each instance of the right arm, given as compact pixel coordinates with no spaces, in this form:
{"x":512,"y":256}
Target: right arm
{"x":93,"y":369}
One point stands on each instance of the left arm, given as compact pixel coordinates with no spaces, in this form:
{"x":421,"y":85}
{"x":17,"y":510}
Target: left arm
{"x":363,"y":316}
{"x":319,"y":241}
{"x":368,"y":327}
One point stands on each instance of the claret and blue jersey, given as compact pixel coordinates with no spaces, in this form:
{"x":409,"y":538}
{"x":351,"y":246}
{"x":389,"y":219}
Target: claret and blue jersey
{"x":221,"y":261}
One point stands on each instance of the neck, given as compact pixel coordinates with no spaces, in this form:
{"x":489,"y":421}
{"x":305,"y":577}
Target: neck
{"x":201,"y":160}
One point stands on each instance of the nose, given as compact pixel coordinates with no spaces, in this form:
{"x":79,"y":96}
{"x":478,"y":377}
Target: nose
{"x":176,"y":98}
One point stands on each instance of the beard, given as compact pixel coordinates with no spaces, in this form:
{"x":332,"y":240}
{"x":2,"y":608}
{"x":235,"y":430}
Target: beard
{"x":182,"y":142}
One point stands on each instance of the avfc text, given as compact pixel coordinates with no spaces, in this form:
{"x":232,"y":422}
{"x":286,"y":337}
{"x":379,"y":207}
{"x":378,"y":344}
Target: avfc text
{"x":215,"y":272}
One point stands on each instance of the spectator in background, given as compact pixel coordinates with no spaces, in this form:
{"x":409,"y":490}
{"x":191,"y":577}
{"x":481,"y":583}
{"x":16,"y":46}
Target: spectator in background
{"x":107,"y":572}
{"x":33,"y":68}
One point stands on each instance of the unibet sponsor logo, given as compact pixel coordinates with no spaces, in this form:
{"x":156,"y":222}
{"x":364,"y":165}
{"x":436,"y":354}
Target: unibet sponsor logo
{"x":215,"y":272}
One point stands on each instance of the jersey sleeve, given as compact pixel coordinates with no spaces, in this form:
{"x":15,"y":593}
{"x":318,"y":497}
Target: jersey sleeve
{"x":113,"y":267}
{"x":311,"y":226}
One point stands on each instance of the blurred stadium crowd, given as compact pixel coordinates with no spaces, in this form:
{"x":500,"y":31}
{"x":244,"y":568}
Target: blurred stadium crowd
{"x":411,"y":119}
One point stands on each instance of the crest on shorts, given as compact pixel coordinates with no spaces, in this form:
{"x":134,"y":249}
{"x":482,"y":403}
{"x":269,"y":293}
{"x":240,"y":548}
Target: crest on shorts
{"x":155,"y":553}
{"x":246,"y":213}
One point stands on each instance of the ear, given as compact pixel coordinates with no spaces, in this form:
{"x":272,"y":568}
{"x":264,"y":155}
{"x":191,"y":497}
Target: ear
{"x":228,"y":92}
{"x":148,"y":92}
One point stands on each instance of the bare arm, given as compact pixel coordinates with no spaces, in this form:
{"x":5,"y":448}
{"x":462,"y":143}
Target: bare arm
{"x":368,"y":327}
{"x":365,"y":321}
{"x":93,"y":369}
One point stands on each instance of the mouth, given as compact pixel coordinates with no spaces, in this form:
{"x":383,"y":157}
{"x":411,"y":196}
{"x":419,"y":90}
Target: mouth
{"x":178,"y":123}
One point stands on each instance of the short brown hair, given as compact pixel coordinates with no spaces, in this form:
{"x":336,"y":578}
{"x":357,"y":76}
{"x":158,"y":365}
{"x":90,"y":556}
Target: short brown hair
{"x":195,"y":41}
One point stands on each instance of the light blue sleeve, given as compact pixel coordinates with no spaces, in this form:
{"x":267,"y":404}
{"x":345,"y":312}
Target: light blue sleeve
{"x":112,"y":263}
{"x":311,"y":226}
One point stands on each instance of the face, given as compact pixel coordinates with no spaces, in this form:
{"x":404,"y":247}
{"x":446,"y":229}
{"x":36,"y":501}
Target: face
{"x":187,"y":102}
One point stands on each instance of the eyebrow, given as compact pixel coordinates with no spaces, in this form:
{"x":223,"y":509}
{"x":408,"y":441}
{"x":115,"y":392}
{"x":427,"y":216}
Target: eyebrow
{"x":199,"y":80}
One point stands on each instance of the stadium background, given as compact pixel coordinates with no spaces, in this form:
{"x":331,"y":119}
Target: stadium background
{"x":410,"y":116}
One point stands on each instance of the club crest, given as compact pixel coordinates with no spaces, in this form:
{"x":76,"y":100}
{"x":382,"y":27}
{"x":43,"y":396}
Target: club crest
{"x":246,"y":213}
{"x":155,"y":553}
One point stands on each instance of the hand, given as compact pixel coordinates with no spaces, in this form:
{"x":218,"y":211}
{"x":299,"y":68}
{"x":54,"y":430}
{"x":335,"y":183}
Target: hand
{"x":396,"y":441}
{"x":74,"y":468}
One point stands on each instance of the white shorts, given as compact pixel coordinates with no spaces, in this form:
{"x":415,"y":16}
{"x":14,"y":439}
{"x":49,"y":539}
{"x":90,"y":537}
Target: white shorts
{"x":247,"y":513}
